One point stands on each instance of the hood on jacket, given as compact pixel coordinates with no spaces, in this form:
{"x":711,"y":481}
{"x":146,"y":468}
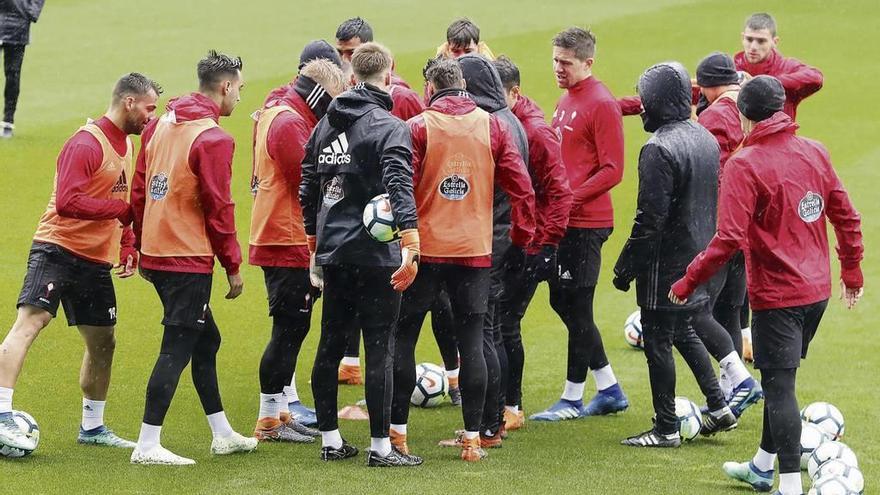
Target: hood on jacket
{"x":452,"y":101}
{"x":193,"y":106}
{"x":483,"y":82}
{"x":355,"y":103}
{"x":665,"y":90}
{"x":780,"y":122}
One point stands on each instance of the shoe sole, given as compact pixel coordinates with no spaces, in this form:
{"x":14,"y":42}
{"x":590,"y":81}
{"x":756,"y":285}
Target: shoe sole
{"x":83,"y":441}
{"x":751,"y":401}
{"x":618,"y":409}
{"x":758,"y":487}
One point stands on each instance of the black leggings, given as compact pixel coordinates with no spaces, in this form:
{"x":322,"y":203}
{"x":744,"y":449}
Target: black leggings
{"x":356,"y":297}
{"x":13,"y":57}
{"x":662,"y":330}
{"x":179,"y":345}
{"x":513,"y":304}
{"x":279,"y":358}
{"x":585,"y":348}
{"x":782,"y":422}
{"x":714,"y":336}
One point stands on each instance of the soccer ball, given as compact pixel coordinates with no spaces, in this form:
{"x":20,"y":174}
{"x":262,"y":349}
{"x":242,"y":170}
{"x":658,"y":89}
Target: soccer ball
{"x":826,"y":416}
{"x":836,"y":467}
{"x":632,"y":330}
{"x":379,"y":220}
{"x":811,"y":437}
{"x":27,"y":424}
{"x":690,"y":421}
{"x":431,"y":385}
{"x":829,"y":450}
{"x":832,"y":485}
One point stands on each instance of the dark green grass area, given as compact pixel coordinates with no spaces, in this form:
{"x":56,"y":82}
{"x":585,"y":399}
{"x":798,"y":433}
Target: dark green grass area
{"x":81,"y":47}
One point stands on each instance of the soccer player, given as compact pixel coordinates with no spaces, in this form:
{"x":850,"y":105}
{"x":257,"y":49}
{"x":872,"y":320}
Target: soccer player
{"x":16,"y":18}
{"x":81,"y":233}
{"x":463,"y":38}
{"x":553,"y":204}
{"x":278,"y":239}
{"x":358,"y":151}
{"x":184,"y":217}
{"x":461,"y":153}
{"x":675,"y":218}
{"x":777,"y":193}
{"x":590,"y":125}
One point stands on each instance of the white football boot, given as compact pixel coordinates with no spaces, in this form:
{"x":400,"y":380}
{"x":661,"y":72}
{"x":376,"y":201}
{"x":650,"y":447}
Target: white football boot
{"x":160,"y":456}
{"x":233,"y":443}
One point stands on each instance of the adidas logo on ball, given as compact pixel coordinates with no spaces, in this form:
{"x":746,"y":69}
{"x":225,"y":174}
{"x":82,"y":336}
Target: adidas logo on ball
{"x":336,"y":153}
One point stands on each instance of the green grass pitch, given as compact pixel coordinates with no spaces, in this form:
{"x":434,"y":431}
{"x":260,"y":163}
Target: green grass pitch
{"x":79,"y":49}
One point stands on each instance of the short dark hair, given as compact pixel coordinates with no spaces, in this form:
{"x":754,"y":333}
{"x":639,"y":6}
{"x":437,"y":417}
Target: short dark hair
{"x":508,"y":71}
{"x":215,"y":66}
{"x":443,"y":73}
{"x":461,"y":32}
{"x":582,"y":41}
{"x":761,"y":20}
{"x":355,"y":26}
{"x":134,"y":84}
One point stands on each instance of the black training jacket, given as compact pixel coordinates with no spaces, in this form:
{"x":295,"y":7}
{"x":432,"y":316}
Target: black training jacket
{"x":678,"y":191}
{"x":356,"y":152}
{"x":16,"y":17}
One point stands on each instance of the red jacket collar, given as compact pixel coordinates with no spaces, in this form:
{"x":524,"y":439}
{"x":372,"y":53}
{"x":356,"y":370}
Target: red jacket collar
{"x":453,"y":104}
{"x":763,"y":67}
{"x":780,"y":122}
{"x":194,"y":106}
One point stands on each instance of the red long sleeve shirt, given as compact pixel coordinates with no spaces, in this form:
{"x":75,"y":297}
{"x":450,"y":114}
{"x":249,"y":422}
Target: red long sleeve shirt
{"x":799,"y":79}
{"x":509,"y":173}
{"x":552,"y":193}
{"x":721,"y":118}
{"x":590,"y":124}
{"x":286,"y":143}
{"x":210,"y":159}
{"x":777,"y":192}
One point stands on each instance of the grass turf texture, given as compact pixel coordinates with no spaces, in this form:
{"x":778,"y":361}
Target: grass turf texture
{"x":81,"y":47}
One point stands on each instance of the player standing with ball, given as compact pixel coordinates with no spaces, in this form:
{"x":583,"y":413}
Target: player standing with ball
{"x":776,"y":194}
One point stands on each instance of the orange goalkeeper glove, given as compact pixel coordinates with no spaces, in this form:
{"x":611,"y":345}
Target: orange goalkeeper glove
{"x":409,"y":265}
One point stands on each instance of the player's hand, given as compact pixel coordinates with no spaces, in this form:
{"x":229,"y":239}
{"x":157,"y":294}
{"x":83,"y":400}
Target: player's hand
{"x":128,"y":268}
{"x":621,"y":284}
{"x":316,"y":274}
{"x":850,"y":296}
{"x":236,"y":286}
{"x":675,"y":299}
{"x":543,"y":265}
{"x":514,"y":258}
{"x":409,"y":263}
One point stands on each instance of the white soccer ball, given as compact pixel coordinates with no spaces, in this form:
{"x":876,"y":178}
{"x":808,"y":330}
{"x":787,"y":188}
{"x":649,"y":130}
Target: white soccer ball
{"x":431,"y":385}
{"x":379,"y":220}
{"x":827,"y":417}
{"x":832,"y":485}
{"x":829,"y":450}
{"x":811,"y":437}
{"x":28,"y":425}
{"x":836,"y":467}
{"x":690,"y":420}
{"x":632,"y":330}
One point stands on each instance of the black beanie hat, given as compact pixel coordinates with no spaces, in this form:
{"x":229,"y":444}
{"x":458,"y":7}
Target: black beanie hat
{"x":760,"y":98}
{"x":717,"y":70}
{"x":319,"y":49}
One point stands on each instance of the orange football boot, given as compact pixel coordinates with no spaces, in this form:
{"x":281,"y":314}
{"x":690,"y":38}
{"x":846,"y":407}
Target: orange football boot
{"x":350,"y":375}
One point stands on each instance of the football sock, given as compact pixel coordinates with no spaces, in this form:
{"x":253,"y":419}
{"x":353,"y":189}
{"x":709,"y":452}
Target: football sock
{"x":573,"y":391}
{"x":399,"y":428}
{"x":453,"y":374}
{"x":470,"y":435}
{"x":790,"y":484}
{"x":290,"y":390}
{"x":764,"y":460}
{"x":734,"y":369}
{"x":92,"y":413}
{"x":270,"y":405}
{"x":149,"y":437}
{"x":604,"y":377}
{"x":381,"y":446}
{"x":747,"y":332}
{"x":220,"y":426}
{"x":351,"y":361}
{"x":5,"y":400}
{"x":512,"y":409}
{"x":331,"y":439}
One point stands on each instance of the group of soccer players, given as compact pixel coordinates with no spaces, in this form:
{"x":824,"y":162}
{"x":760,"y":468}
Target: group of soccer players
{"x":490,"y":200}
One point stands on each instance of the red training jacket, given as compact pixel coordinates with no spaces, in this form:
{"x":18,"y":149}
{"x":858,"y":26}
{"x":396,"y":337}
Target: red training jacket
{"x":799,"y":79}
{"x":552,"y":193}
{"x":775,"y":197}
{"x":509,"y":174}
{"x":210,"y":159}
{"x":590,"y":124}
{"x":721,"y":118}
{"x":407,"y":103}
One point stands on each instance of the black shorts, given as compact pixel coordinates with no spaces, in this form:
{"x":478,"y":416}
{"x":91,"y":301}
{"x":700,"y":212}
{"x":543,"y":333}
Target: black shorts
{"x":84,"y":288}
{"x":580,"y":257}
{"x":185,"y":297}
{"x":290,"y":292}
{"x":468,"y":289}
{"x":781,"y":337}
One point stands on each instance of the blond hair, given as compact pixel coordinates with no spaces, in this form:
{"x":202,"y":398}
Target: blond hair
{"x":325,"y":73}
{"x":370,"y":62}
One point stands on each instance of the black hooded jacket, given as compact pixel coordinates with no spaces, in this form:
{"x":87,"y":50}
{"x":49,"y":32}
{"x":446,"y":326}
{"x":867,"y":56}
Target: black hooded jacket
{"x":16,"y":17}
{"x":356,"y":152}
{"x":485,"y":87}
{"x":678,"y":192}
